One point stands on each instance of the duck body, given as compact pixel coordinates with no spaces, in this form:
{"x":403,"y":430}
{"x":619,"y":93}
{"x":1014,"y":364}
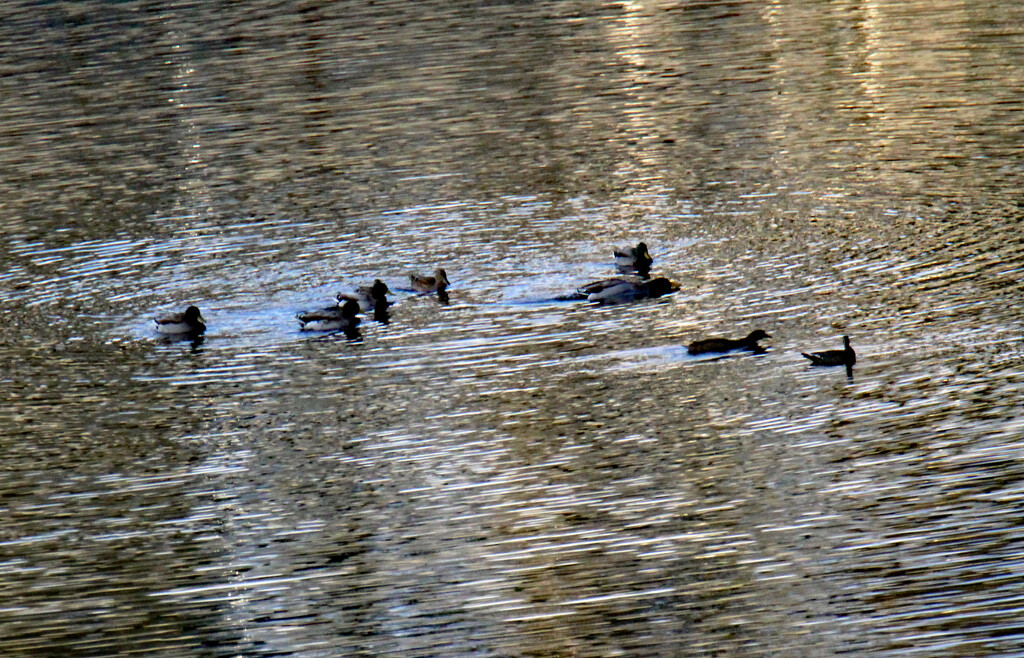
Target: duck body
{"x":634,"y":258}
{"x":189,"y":323}
{"x":368,"y":297}
{"x":611,"y":291}
{"x":844,"y":357}
{"x":710,"y":345}
{"x":436,"y":283}
{"x":343,"y":317}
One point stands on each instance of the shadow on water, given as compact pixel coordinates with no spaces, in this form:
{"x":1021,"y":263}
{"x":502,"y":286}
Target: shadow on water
{"x":194,"y":341}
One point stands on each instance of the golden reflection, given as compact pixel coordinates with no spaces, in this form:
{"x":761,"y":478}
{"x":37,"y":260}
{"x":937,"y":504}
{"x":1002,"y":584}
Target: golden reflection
{"x":900,"y":92}
{"x":635,"y":35}
{"x":509,"y":472}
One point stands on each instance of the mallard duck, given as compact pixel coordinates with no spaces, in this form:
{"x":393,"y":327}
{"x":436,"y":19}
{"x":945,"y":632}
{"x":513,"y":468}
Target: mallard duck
{"x":844,"y":357}
{"x":727,"y":344}
{"x":435,"y":283}
{"x":636,"y":258}
{"x":624,"y":290}
{"x":368,"y":297}
{"x":333,"y":318}
{"x":188,"y":323}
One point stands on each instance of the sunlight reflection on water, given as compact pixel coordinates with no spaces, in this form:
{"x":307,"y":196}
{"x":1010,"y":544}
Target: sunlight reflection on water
{"x":509,"y":472}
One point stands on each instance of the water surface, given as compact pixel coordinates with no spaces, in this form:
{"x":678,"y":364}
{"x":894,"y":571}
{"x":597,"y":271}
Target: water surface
{"x":509,"y":473}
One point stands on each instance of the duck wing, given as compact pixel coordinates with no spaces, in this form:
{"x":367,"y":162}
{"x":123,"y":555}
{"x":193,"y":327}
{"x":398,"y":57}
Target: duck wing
{"x":170,"y":318}
{"x":423,"y":283}
{"x":178,"y":323}
{"x":602,"y":285}
{"x":320,"y":315}
{"x":711,"y":345}
{"x":361,"y":296}
{"x":619,"y":292}
{"x":826,"y":358}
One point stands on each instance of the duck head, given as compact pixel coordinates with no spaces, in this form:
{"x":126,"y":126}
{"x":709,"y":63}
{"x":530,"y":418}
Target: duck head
{"x":756,"y":335}
{"x":350,"y":309}
{"x":192,"y":315}
{"x":661,"y":286}
{"x":379,"y":289}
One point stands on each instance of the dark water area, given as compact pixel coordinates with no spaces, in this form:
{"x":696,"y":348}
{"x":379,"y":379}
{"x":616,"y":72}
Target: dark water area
{"x":508,"y":473}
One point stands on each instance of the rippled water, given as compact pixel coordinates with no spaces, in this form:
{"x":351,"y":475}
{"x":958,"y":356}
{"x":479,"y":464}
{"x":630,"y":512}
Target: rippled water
{"x":510,"y":473}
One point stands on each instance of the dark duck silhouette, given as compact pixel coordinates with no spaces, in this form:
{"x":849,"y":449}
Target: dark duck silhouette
{"x":624,"y":290}
{"x":844,"y":357}
{"x":368,"y":297}
{"x":342,"y":317}
{"x":636,"y":258}
{"x":189,"y":323}
{"x":710,"y":345}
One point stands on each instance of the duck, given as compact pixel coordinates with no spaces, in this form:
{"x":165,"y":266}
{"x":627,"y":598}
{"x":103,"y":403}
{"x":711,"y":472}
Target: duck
{"x":844,"y":357}
{"x":728,"y":344}
{"x":436,"y":283}
{"x":624,"y":290}
{"x":636,"y":258}
{"x":343,"y":317}
{"x":368,"y":297}
{"x":190,"y":322}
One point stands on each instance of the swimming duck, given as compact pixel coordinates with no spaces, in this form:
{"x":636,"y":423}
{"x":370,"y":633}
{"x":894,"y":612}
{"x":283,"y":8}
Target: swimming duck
{"x":368,"y":297}
{"x":844,"y":357}
{"x":435,"y":283}
{"x":188,"y":323}
{"x":624,"y":290}
{"x":727,"y":344}
{"x":637,"y":258}
{"x":333,"y":318}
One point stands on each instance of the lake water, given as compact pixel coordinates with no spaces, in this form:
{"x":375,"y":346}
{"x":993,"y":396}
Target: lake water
{"x":509,"y":473}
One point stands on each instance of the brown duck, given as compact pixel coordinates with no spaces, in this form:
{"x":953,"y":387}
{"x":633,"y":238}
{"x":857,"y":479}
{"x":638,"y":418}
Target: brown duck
{"x":709,"y":345}
{"x":437,"y":283}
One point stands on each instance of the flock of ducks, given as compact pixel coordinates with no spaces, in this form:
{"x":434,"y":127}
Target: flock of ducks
{"x":344,"y":315}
